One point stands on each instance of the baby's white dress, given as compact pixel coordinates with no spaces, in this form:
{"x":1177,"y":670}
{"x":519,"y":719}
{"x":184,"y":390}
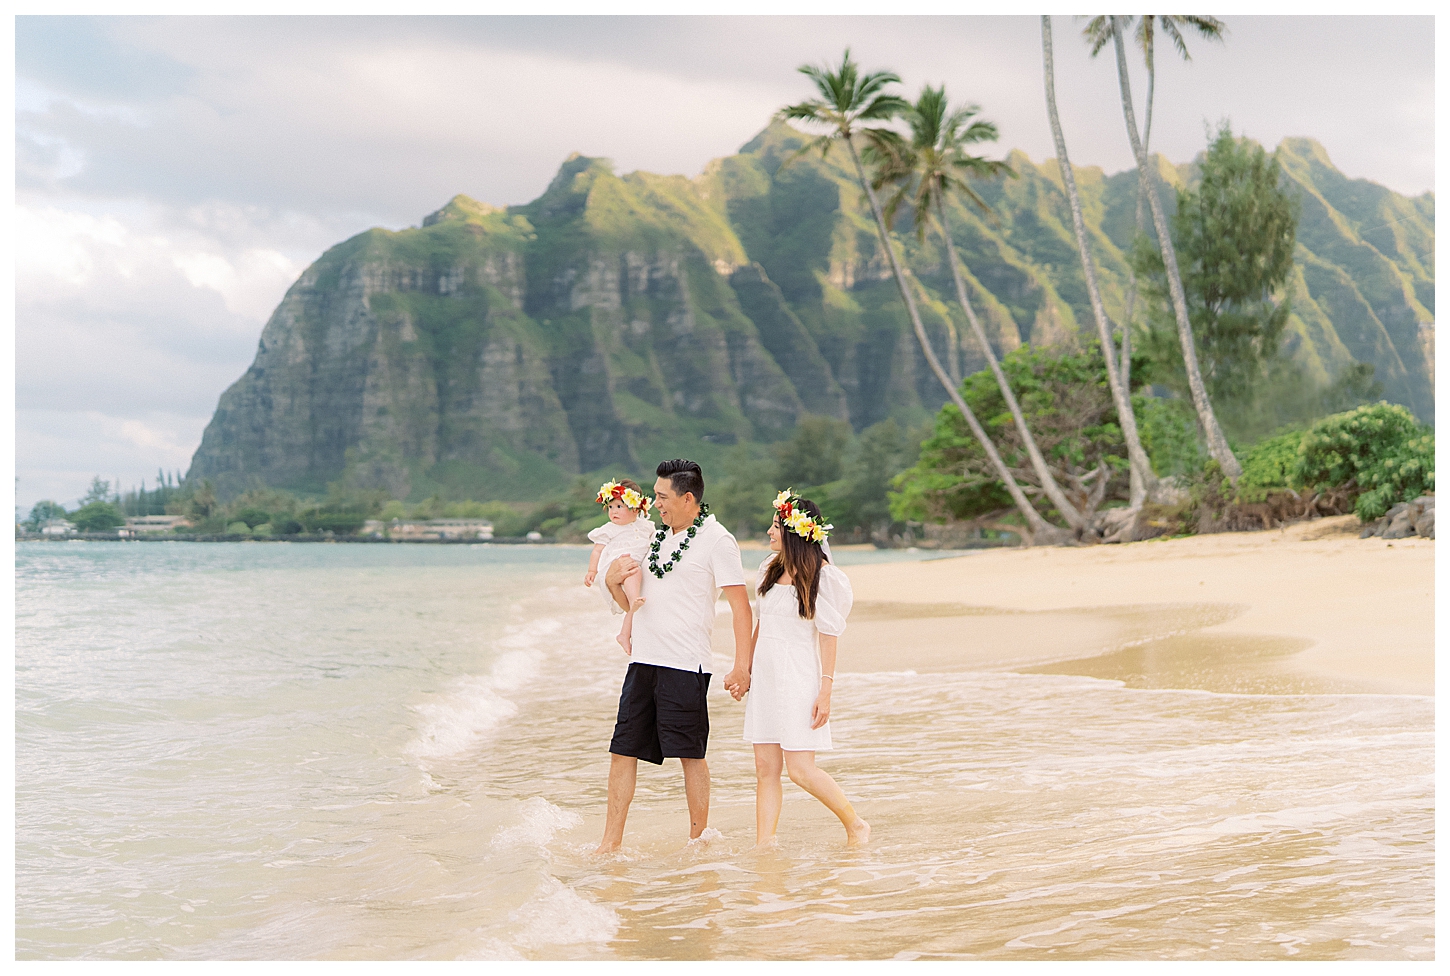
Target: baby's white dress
{"x":785,"y":676}
{"x":633,"y":538}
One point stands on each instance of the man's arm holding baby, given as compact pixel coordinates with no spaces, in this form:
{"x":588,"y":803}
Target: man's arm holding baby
{"x":621,"y":568}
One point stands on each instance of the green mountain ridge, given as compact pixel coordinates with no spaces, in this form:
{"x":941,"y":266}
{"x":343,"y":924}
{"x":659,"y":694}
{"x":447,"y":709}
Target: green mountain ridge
{"x":493,"y":352}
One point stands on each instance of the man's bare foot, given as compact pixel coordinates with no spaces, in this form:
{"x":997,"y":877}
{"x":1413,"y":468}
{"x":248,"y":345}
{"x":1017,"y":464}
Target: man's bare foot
{"x":606,"y":848}
{"x":636,"y":603}
{"x":706,"y":836}
{"x":858,"y":833}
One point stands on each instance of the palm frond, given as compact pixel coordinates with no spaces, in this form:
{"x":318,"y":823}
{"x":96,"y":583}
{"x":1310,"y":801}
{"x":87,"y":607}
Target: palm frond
{"x":823,"y":143}
{"x":1097,"y":33}
{"x":1171,"y":29}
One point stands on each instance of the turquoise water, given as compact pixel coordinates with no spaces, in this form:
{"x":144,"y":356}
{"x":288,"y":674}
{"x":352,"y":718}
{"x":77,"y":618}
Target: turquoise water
{"x":239,"y":751}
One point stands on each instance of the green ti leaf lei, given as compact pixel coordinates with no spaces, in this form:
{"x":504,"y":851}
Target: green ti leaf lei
{"x":654,"y":547}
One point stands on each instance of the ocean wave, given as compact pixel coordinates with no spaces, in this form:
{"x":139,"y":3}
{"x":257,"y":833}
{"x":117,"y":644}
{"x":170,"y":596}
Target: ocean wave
{"x":557,"y":915}
{"x":477,"y":703}
{"x":539,"y":821}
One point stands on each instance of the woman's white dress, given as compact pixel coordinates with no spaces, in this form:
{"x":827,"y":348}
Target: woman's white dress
{"x":633,"y":538}
{"x":785,"y":676}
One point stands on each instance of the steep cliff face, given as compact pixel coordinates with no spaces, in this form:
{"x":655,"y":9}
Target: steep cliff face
{"x":616,"y":319}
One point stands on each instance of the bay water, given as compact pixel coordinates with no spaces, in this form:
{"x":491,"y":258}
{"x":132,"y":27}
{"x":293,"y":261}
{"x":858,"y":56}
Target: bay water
{"x":255,"y":751}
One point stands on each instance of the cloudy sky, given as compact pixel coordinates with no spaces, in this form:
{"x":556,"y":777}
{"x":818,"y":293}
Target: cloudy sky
{"x":175,"y":175}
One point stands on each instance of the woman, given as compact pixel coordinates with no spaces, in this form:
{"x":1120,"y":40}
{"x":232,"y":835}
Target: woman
{"x":803,"y":605}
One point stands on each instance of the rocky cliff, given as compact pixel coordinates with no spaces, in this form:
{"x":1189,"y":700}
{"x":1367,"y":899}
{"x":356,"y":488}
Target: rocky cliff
{"x":498,"y":352}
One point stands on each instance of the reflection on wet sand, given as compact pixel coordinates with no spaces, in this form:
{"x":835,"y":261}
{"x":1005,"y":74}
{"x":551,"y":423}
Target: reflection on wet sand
{"x":1141,"y":646}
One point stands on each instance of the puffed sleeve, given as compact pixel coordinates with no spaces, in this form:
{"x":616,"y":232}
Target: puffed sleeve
{"x":603,"y":534}
{"x":833,"y":601}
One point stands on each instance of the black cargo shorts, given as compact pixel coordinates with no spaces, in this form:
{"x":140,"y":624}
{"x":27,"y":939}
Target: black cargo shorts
{"x":662,"y":714}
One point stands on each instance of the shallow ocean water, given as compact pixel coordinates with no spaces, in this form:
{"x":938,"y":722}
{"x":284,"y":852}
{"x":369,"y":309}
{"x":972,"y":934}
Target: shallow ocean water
{"x":309,"y":751}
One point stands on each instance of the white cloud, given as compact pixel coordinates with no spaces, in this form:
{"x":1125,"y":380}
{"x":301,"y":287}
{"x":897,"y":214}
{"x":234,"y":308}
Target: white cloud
{"x":57,"y":452}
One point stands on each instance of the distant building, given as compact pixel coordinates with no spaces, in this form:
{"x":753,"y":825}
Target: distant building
{"x":439,"y":529}
{"x":463,"y":528}
{"x":58,"y":527}
{"x":138,"y":524}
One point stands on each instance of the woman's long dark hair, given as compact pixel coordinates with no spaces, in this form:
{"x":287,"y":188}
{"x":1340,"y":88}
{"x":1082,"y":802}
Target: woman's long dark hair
{"x":802,"y":559}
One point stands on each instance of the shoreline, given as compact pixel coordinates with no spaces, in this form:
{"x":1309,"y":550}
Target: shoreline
{"x":1306,"y":609}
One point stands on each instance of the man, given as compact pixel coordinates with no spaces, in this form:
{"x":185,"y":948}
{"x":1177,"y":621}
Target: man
{"x":662,"y":712}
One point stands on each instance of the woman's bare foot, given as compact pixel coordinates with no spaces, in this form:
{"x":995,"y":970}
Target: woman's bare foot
{"x":858,"y":833}
{"x":636,"y":603}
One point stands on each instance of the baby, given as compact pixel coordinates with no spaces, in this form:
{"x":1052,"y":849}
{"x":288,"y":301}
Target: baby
{"x":627,"y":531}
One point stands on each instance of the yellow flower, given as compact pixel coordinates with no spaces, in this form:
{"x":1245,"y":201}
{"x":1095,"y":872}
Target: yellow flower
{"x":783,"y":497}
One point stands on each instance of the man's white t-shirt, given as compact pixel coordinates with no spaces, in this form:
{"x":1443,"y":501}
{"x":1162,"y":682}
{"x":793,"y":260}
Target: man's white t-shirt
{"x":673,"y":627}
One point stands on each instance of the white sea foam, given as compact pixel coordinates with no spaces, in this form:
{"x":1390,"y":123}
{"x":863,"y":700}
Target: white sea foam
{"x":477,"y":703}
{"x":557,"y":915}
{"x":539,"y":821}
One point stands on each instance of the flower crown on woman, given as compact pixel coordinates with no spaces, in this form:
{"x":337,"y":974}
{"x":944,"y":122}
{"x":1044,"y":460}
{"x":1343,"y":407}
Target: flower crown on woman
{"x":613,"y":490}
{"x":795,"y":518}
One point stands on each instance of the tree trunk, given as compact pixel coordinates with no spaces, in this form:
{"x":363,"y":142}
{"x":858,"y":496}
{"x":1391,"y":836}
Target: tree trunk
{"x":1049,"y":483}
{"x":1137,"y":457}
{"x":1036,"y":524}
{"x":1134,"y":478}
{"x":1218,"y":447}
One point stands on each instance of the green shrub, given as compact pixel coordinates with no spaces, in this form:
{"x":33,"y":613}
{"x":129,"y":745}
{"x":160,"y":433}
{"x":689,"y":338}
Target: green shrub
{"x":550,"y":526}
{"x":253,"y":517}
{"x":1402,"y":474}
{"x":287,"y":526}
{"x":239,"y":528}
{"x":1168,"y":428}
{"x":97,"y":517}
{"x":1379,"y":451}
{"x":1269,"y":466}
{"x":338,"y":523}
{"x":507,"y":522}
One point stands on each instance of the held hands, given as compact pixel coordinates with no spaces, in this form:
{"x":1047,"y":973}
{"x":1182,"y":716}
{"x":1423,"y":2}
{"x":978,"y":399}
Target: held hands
{"x":737,"y":682}
{"x":821,"y":710}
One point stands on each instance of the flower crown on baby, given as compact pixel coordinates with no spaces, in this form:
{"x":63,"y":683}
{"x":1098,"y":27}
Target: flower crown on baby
{"x":612,"y":490}
{"x":795,"y":518}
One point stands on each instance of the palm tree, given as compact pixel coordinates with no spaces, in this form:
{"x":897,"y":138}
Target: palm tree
{"x":1218,"y":447}
{"x":1143,"y":479}
{"x":927,"y":169}
{"x":847,"y":99}
{"x":1097,"y":33}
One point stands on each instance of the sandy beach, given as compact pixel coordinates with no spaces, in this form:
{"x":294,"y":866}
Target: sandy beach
{"x":1308,"y":608}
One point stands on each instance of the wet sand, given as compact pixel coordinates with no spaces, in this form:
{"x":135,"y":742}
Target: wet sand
{"x":1309,"y":608}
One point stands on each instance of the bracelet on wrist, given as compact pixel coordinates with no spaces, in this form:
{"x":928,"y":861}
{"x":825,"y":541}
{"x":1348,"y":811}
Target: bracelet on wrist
{"x":830,"y":676}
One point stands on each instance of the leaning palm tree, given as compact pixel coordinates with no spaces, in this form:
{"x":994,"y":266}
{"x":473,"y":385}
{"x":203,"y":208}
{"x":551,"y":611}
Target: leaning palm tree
{"x":1143,"y":479}
{"x":1098,"y":33}
{"x":927,"y":168}
{"x":1218,"y":447}
{"x":848,"y":101}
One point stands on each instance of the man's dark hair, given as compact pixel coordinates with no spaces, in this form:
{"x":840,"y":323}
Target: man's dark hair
{"x":685,"y":476}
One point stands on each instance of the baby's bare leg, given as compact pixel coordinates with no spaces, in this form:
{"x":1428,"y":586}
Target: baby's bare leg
{"x":625,"y":633}
{"x":632,"y":587}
